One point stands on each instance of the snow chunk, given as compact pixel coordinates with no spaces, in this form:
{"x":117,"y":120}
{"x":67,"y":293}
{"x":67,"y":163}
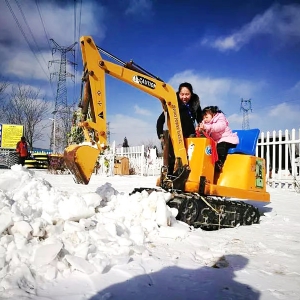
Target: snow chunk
{"x":75,"y":208}
{"x":92,"y":199}
{"x":80,"y":264}
{"x":178,"y":230}
{"x":5,"y":221}
{"x":46,"y":253}
{"x":23,"y":228}
{"x":163,"y":213}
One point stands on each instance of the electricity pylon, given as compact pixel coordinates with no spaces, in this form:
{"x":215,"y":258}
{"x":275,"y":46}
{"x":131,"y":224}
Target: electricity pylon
{"x":62,"y":113}
{"x":245,"y":108}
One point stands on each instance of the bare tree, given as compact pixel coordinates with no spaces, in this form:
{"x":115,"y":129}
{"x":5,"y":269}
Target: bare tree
{"x":3,"y":86}
{"x":149,"y":144}
{"x":25,"y":106}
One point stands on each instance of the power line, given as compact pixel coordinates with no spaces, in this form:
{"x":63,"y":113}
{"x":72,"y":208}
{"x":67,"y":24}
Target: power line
{"x":47,"y":37}
{"x":74,"y":20}
{"x":75,"y":56}
{"x":80,"y":18}
{"x":48,"y":41}
{"x":29,"y":29}
{"x":77,"y":49}
{"x":24,"y":35}
{"x":273,"y":105}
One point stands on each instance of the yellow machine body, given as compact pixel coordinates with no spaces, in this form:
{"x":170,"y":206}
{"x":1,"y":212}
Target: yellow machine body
{"x":242,"y":176}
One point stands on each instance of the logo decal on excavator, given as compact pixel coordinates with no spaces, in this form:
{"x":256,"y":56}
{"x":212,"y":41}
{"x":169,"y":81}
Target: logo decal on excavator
{"x":176,"y":120}
{"x":191,"y":150}
{"x":208,"y":150}
{"x":100,"y":115}
{"x":144,"y":81}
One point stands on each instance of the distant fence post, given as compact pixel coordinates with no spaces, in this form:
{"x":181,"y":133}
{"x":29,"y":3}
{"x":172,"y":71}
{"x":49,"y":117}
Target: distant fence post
{"x":142,"y":160}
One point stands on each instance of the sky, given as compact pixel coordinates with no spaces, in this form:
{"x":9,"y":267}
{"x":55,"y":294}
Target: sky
{"x":229,"y":51}
{"x":60,"y":240}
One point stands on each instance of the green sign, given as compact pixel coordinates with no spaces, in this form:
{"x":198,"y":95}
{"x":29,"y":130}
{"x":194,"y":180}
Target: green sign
{"x":259,"y":182}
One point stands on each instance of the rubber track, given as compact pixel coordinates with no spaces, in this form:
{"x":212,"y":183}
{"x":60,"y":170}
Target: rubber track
{"x":212,"y":214}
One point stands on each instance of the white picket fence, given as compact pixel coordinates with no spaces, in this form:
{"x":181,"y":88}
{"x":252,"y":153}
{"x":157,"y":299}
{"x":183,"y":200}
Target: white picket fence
{"x":281,"y":152}
{"x":139,"y":163}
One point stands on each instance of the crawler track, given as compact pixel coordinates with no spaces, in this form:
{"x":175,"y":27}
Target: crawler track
{"x":210,"y":213}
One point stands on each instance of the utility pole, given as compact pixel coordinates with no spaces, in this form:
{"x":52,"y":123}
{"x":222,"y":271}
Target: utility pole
{"x":108,"y":133}
{"x":245,"y":108}
{"x":63,"y":111}
{"x":53,"y":132}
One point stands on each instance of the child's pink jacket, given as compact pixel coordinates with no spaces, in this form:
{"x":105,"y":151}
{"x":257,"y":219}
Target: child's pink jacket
{"x":219,"y":130}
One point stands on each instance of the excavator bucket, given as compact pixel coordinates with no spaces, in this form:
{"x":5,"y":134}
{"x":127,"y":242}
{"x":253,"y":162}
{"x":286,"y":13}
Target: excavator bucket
{"x":81,"y":160}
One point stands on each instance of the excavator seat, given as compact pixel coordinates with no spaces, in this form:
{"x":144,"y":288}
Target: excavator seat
{"x":247,"y":142}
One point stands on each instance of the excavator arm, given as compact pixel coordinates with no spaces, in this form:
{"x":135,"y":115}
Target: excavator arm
{"x":81,"y":159}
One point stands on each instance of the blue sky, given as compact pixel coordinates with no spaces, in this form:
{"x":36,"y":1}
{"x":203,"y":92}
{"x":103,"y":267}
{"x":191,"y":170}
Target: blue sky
{"x":228,"y":50}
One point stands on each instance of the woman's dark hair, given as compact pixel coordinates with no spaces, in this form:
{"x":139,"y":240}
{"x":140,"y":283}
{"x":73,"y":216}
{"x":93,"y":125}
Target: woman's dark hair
{"x":211,"y":110}
{"x":186,"y":85}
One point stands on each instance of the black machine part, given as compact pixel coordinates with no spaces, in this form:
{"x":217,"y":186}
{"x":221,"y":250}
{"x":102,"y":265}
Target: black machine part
{"x":207,"y":212}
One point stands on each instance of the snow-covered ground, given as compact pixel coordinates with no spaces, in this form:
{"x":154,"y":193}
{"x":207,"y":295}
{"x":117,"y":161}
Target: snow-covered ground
{"x":60,"y":240}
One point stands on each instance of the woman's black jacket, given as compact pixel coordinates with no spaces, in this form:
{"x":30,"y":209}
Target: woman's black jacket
{"x":189,"y":113}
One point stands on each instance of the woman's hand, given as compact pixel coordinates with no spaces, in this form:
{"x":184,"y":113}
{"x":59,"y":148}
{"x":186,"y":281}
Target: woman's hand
{"x":201,"y":126}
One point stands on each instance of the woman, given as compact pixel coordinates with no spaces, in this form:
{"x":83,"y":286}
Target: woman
{"x":190,"y":112}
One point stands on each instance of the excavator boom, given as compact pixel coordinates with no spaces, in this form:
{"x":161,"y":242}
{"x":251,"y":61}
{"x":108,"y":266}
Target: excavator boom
{"x":80,"y":159}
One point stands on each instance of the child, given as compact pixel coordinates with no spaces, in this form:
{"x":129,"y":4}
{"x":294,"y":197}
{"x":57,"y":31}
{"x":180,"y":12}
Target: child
{"x":216,"y":126}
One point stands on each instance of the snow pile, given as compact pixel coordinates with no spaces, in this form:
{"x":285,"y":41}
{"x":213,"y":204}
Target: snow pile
{"x":46,"y":233}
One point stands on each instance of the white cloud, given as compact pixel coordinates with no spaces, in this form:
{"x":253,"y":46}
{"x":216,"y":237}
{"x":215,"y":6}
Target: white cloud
{"x":17,"y":57}
{"x":135,"y":129}
{"x":282,"y":22}
{"x":235,"y":119}
{"x":294,"y":92}
{"x":139,"y":7}
{"x":216,"y":90}
{"x":25,"y":66}
{"x":141,"y":111}
{"x":284,"y":110}
{"x":278,"y":117}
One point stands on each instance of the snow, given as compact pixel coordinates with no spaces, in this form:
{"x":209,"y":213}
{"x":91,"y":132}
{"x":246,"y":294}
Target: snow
{"x":60,"y":240}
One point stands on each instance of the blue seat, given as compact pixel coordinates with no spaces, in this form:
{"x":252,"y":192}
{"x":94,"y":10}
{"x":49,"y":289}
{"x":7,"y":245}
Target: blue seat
{"x":248,"y":140}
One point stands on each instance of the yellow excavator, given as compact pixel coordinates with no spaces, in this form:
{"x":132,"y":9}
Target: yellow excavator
{"x":200,"y":195}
